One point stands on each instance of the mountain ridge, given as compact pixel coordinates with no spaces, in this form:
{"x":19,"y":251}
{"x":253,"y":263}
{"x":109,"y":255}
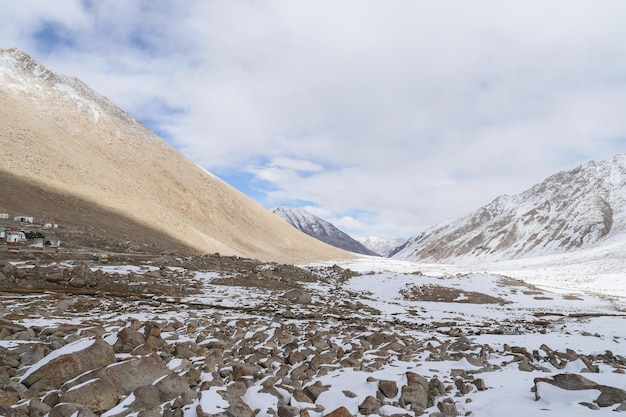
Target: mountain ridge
{"x":64,"y":136}
{"x":321,"y":229}
{"x":382,"y":245}
{"x":569,"y":210}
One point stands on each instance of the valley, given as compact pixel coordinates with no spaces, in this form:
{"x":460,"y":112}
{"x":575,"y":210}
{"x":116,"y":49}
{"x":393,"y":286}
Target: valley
{"x":164,"y":291}
{"x":229,"y":336}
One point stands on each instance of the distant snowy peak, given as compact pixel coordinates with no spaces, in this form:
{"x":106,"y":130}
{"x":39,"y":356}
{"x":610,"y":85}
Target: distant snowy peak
{"x":320,"y":229}
{"x":380,"y":244}
{"x":570,"y":210}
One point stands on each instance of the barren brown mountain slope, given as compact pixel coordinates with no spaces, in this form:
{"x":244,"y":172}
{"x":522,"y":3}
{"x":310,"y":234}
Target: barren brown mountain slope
{"x":59,"y":134}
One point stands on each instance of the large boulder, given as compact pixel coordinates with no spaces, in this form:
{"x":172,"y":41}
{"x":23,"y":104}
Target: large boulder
{"x":608,"y":395}
{"x":298,"y":296}
{"x":101,"y":389}
{"x":68,"y":362}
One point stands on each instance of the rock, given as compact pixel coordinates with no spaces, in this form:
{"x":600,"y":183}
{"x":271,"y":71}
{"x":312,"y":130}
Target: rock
{"x":339,"y":412}
{"x":313,"y":391}
{"x":448,"y":407}
{"x":77,"y":282}
{"x":70,"y":410}
{"x":68,"y":362}
{"x":462,"y":386}
{"x":479,"y":384}
{"x":146,"y":398}
{"x":6,"y":411}
{"x":30,"y":353}
{"x":174,"y":386}
{"x":435,"y":389}
{"x":376,"y":338}
{"x":608,"y":395}
{"x":51,"y":399}
{"x":111,"y":382}
{"x":128,"y":339}
{"x":38,"y":408}
{"x":371,"y":405}
{"x":10,"y":326}
{"x":55,"y":277}
{"x":287,"y":411}
{"x":5,"y":377}
{"x":590,"y":406}
{"x":297,"y":296}
{"x":388,"y":388}
{"x":9,"y":398}
{"x":238,"y":408}
{"x":621,"y":407}
{"x":414,"y":394}
{"x":300,"y":396}
{"x":242,"y":371}
{"x":349,"y":394}
{"x":415,"y":379}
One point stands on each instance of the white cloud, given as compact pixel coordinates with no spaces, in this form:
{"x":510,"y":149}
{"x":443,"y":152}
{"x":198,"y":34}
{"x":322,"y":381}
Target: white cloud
{"x":296,"y":164}
{"x":410,"y":111}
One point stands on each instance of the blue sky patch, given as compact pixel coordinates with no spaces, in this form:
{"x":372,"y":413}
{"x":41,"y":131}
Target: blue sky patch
{"x":50,"y":36}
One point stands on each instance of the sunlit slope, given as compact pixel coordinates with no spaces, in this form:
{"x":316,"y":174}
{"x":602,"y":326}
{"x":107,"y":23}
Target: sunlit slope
{"x":57,"y":132}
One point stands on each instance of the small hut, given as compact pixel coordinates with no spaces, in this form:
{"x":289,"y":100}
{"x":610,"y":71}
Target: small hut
{"x":24,"y":219}
{"x":13,"y":238}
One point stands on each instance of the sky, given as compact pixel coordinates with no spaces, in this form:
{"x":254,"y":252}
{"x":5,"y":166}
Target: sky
{"x":384,"y":118}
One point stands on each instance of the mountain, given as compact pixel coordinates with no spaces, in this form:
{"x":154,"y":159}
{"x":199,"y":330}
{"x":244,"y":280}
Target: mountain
{"x":321,"y":229}
{"x":380,"y":244}
{"x":60,"y":136}
{"x":577,"y":209}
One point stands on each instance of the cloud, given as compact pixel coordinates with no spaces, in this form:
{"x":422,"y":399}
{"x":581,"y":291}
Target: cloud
{"x":407,"y":113}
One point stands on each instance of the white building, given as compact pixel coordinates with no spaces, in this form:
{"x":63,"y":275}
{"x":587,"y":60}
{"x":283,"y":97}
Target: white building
{"x":24,"y":219}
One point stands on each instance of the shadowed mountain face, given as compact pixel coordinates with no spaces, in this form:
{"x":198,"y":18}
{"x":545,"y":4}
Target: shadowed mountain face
{"x":570,"y":210}
{"x":81,"y":224}
{"x":321,"y":229}
{"x":61,"y":136}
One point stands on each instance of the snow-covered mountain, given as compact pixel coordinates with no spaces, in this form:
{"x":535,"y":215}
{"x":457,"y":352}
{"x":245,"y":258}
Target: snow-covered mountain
{"x":571,"y":210}
{"x":380,"y":244}
{"x":321,"y":229}
{"x":61,"y":136}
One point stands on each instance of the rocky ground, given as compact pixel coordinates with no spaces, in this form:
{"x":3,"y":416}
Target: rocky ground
{"x":226,"y":336}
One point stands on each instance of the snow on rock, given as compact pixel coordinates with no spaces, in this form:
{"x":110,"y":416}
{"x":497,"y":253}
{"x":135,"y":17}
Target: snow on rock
{"x":405,"y":339}
{"x":68,"y":362}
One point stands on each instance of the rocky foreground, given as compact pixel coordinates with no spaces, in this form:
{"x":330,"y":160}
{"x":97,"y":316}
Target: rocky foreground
{"x":221,"y":336}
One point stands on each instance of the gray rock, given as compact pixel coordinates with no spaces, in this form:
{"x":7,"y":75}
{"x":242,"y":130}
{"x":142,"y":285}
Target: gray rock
{"x":174,"y":386}
{"x":414,"y":394}
{"x":448,"y":407}
{"x":70,"y":410}
{"x":111,"y":382}
{"x":608,"y":395}
{"x":339,"y":412}
{"x":54,"y":373}
{"x":128,"y":339}
{"x":287,"y":411}
{"x":38,"y":408}
{"x":388,"y":388}
{"x":298,"y":296}
{"x":146,"y":398}
{"x":30,"y":353}
{"x":313,"y":391}
{"x":371,"y":405}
